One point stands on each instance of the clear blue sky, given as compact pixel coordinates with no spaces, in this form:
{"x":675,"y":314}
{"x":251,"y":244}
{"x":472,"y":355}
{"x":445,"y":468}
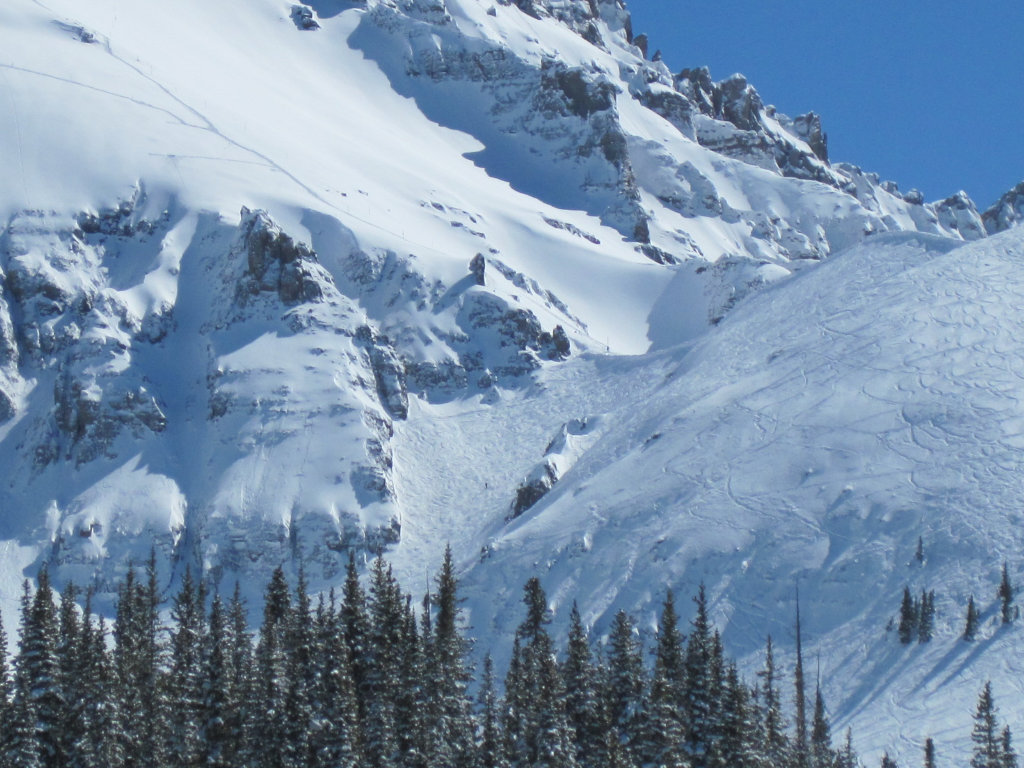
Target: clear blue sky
{"x":928,"y":94}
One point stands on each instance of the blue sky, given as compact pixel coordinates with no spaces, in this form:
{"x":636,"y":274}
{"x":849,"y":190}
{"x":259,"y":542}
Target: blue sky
{"x":930,"y":95}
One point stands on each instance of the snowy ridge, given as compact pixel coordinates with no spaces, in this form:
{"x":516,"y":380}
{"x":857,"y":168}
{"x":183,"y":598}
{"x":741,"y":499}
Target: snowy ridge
{"x":280,"y":282}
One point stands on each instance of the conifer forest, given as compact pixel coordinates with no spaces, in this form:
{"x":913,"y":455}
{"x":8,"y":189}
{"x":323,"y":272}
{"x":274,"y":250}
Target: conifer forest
{"x":370,"y":678}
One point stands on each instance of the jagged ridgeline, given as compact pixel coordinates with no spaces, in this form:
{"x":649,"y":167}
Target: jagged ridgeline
{"x":367,"y":677}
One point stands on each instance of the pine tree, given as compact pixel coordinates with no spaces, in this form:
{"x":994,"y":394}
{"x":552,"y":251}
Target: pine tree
{"x":355,"y":624}
{"x":909,"y":617}
{"x":822,"y":755}
{"x":801,"y":753}
{"x":581,"y":698}
{"x":988,"y":751}
{"x":383,"y":667}
{"x":626,"y":694}
{"x":1009,"y":755}
{"x":776,"y":746}
{"x":888,"y":762}
{"x":338,"y":713}
{"x":490,"y":747}
{"x":6,"y":711}
{"x":665,"y":724}
{"x":184,"y":680}
{"x":1005,"y":594}
{"x":926,"y":623}
{"x":929,"y":753}
{"x":971,"y":622}
{"x":241,"y":683}
{"x":697,"y":693}
{"x":736,"y":748}
{"x":39,"y":668}
{"x":217,"y":748}
{"x":919,"y":553}
{"x":450,"y":674}
{"x":300,"y":670}
{"x":269,"y":728}
{"x":847,"y":757}
{"x":537,"y":730}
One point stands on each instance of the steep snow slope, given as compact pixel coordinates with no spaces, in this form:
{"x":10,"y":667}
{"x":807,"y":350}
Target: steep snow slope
{"x":272,"y":293}
{"x":808,"y":441}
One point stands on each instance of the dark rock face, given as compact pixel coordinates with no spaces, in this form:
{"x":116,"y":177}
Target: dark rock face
{"x":477,"y":265}
{"x":808,"y":128}
{"x":533,"y":490}
{"x":304,"y":17}
{"x":388,"y":371}
{"x":276,"y":262}
{"x":958,"y":214}
{"x":1008,"y":212}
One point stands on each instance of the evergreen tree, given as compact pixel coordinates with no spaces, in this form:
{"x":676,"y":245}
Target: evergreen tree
{"x":490,"y":747}
{"x":1009,"y":755}
{"x":988,"y":748}
{"x":300,"y":671}
{"x":581,"y":698}
{"x":801,"y":753}
{"x":697,"y":693}
{"x":6,"y":692}
{"x":184,"y":682}
{"x":39,"y":669}
{"x":847,"y":757}
{"x":909,"y":617}
{"x":626,"y":689}
{"x":217,"y":747}
{"x":776,"y":746}
{"x":24,"y":747}
{"x":929,"y":753}
{"x":536,"y":727}
{"x":269,"y":728}
{"x":736,"y":748}
{"x":665,"y":724}
{"x":888,"y":762}
{"x":452,"y":723}
{"x":383,"y":667}
{"x":241,"y":684}
{"x":821,"y":755}
{"x":919,"y":553}
{"x":137,"y":660}
{"x":971,"y":622}
{"x":926,"y":623}
{"x":1005,"y":594}
{"x":355,"y":624}
{"x":337,"y":716}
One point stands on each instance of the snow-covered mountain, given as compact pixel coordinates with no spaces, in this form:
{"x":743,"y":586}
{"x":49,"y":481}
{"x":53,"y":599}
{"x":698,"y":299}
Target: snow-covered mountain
{"x":283,"y":281}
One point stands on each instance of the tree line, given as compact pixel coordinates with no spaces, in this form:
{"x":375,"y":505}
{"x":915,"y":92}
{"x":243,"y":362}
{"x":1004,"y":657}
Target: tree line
{"x":368,"y":678}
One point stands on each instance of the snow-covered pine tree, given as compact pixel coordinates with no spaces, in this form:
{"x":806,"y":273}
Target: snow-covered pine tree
{"x":490,"y":744}
{"x":988,"y":748}
{"x":1005,"y":593}
{"x":929,"y":753}
{"x":339,"y":706}
{"x":355,"y":624}
{"x":665,"y":726}
{"x":184,"y":680}
{"x":697,"y":692}
{"x":537,"y":730}
{"x":776,"y":749}
{"x":626,"y":693}
{"x":383,"y":667}
{"x":300,"y":660}
{"x":268,"y":727}
{"x":217,"y":700}
{"x":581,"y":697}
{"x":39,"y":666}
{"x":971,"y":621}
{"x":801,"y":750}
{"x":736,"y":748}
{"x":241,"y":676}
{"x":822,"y":755}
